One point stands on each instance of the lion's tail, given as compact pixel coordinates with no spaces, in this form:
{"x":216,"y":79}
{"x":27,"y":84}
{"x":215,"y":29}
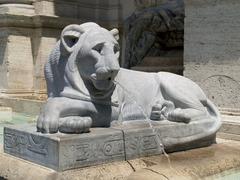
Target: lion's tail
{"x":215,"y":114}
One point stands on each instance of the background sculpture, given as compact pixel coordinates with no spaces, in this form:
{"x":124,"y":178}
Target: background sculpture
{"x":153,"y":31}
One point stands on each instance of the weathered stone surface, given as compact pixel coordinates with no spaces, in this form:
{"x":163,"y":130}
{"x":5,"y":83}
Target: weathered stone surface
{"x":211,"y":49}
{"x":62,"y":151}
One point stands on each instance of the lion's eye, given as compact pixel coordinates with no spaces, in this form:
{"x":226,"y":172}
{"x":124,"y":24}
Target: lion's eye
{"x":98,"y":47}
{"x":116,"y":48}
{"x":70,"y":40}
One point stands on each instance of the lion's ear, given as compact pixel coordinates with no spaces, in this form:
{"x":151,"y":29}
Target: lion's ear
{"x":115,"y":33}
{"x":70,"y":36}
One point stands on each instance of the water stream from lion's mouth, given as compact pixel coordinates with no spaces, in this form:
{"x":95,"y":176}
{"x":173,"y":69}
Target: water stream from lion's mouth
{"x":121,"y":119}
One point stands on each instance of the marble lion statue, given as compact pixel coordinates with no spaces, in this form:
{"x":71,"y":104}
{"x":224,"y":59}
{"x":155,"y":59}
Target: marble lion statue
{"x":87,"y":88}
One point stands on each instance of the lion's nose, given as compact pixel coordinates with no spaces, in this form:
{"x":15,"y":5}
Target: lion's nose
{"x":114,"y":72}
{"x":103,"y":73}
{"x":106,"y":73}
{"x":113,"y":67}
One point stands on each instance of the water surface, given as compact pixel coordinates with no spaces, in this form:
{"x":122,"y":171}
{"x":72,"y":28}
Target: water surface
{"x":17,"y":118}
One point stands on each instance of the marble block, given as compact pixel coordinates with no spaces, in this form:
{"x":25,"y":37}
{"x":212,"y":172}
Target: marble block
{"x":64,"y":151}
{"x":141,"y":140}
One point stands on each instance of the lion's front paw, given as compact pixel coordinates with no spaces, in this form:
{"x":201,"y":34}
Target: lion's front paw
{"x":47,"y":121}
{"x":46,"y":124}
{"x":75,"y":124}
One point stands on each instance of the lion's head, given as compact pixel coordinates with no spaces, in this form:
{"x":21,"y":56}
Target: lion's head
{"x":93,"y":54}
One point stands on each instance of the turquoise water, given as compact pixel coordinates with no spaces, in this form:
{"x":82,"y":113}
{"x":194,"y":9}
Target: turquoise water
{"x":233,"y":174}
{"x":229,"y":175}
{"x":17,"y":118}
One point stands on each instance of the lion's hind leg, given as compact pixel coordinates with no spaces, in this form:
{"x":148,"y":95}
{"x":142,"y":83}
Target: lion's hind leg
{"x":166,"y":110}
{"x":185,"y":115}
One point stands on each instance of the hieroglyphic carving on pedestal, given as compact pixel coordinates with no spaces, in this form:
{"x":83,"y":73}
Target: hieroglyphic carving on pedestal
{"x":141,"y":144}
{"x":82,"y":153}
{"x":25,"y":142}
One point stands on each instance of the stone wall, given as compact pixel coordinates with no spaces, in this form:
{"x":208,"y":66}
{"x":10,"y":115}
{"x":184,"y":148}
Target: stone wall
{"x":212,"y":49}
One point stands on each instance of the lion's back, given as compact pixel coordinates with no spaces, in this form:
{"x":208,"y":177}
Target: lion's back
{"x":180,"y":86}
{"x":137,"y":87}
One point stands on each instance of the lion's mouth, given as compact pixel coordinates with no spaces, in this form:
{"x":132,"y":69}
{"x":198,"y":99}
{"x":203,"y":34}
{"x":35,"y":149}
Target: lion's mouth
{"x":94,"y":77}
{"x":102,"y":84}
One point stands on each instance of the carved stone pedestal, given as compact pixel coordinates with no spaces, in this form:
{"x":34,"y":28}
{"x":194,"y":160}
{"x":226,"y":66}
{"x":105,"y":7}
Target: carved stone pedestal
{"x":67,"y":151}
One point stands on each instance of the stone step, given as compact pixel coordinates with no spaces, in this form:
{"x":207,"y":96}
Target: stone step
{"x":229,"y":136}
{"x":230,"y":128}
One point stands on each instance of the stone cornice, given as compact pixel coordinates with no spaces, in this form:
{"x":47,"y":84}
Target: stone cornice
{"x":41,"y":21}
{"x":101,"y":4}
{"x":16,"y":1}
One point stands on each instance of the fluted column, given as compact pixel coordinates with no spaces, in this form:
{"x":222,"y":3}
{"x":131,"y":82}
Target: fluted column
{"x":16,"y":61}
